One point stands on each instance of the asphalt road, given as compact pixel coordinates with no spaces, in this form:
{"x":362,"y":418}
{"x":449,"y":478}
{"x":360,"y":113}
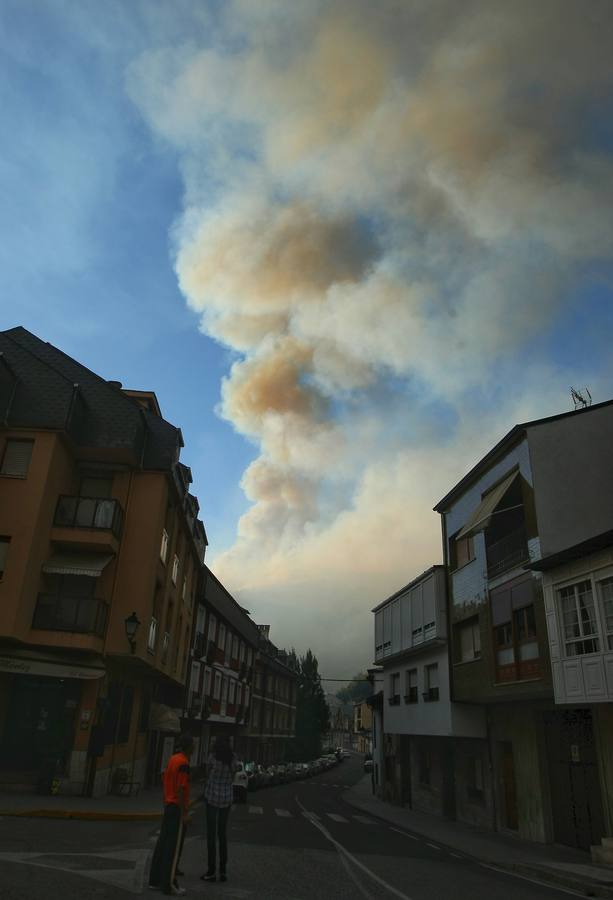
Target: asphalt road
{"x":290,"y":842}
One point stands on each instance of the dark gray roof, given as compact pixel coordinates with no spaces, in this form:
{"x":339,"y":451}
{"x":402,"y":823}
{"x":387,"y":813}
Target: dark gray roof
{"x":42,"y":387}
{"x":226,"y":606}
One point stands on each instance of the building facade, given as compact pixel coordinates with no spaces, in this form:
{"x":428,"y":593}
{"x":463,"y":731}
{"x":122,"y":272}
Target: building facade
{"x":427,"y":738}
{"x":521,"y":504}
{"x":100,"y":551}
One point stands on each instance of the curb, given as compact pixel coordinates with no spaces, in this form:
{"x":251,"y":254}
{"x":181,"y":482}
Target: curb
{"x":88,"y":815}
{"x":544,"y":874}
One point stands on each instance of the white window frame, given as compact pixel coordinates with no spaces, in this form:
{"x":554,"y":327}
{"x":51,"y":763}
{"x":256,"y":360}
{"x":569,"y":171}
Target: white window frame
{"x":212,"y":629}
{"x":152,"y":635}
{"x":164,"y":546}
{"x":217,"y":686}
{"x":583,"y":636}
{"x":221,"y":643}
{"x":175,"y":569}
{"x":235,"y":647}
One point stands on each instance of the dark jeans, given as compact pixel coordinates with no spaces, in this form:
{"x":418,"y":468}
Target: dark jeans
{"x":166,"y":853}
{"x":216,"y":826}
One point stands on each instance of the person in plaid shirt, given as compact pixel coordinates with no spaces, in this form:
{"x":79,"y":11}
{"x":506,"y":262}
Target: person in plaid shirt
{"x":221,"y":766}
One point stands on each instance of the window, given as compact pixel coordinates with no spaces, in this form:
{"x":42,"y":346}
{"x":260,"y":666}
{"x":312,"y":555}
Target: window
{"x":249,"y":656}
{"x":165,"y":646}
{"x":239,"y":693}
{"x":4,"y":549}
{"x":217,"y":686}
{"x":241,"y":652}
{"x":394,"y":698}
{"x":462,"y":552}
{"x":228,"y":645}
{"x":579,"y":619}
{"x":175,"y":569}
{"x":208,"y":674}
{"x":411,"y":686}
{"x":431,"y":676}
{"x":232,"y":692}
{"x":212,"y":627}
{"x":152,"y":636}
{"x":16,"y":459}
{"x":524,"y":625}
{"x":469,"y":639}
{"x":222,"y":636}
{"x":246,"y":695}
{"x":184,"y":589}
{"x":235,"y":647}
{"x":164,"y":546}
{"x":606,"y":593}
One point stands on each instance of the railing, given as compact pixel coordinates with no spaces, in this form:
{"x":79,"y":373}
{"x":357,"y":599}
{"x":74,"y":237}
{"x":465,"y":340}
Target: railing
{"x":82,"y":615}
{"x":89,"y":512}
{"x":430,"y":695}
{"x":411,"y":697}
{"x":507,"y":553}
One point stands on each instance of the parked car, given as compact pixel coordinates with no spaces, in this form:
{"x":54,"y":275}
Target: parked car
{"x":240,"y":784}
{"x":368,"y":763}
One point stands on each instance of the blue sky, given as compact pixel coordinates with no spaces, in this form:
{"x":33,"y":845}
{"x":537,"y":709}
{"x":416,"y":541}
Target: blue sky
{"x":339,"y":245}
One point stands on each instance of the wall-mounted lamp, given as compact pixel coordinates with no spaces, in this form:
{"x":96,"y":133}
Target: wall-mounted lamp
{"x":132,"y":624}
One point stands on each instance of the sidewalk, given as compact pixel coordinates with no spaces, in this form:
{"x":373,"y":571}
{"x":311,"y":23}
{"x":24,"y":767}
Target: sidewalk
{"x":145,"y":806}
{"x":549,"y":863}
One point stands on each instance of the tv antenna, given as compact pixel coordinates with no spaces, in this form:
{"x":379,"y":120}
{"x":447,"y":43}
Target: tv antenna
{"x":581,"y":401}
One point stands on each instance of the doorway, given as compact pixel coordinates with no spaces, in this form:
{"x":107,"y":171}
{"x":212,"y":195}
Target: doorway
{"x":576,"y":804}
{"x":509,"y":789}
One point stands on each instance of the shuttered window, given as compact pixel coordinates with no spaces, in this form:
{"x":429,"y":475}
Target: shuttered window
{"x":16,"y":459}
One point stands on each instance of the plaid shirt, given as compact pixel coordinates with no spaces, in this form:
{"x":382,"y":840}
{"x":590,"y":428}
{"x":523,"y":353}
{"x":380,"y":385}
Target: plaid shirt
{"x":218,"y":791}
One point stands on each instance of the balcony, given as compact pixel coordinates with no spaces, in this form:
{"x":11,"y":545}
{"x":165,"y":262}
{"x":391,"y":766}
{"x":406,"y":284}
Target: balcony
{"x":96,"y":521}
{"x":431,"y":695}
{"x":80,"y":615}
{"x":507,"y":553}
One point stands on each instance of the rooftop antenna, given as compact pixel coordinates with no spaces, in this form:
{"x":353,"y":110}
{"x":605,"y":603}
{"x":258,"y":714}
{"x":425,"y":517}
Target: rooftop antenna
{"x":581,"y":401}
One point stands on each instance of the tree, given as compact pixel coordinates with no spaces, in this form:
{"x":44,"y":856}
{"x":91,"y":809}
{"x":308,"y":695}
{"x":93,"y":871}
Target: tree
{"x":312,"y":712}
{"x":356,"y":690}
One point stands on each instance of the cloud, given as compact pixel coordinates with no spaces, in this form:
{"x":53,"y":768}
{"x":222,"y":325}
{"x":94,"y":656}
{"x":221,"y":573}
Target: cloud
{"x":386,"y":207}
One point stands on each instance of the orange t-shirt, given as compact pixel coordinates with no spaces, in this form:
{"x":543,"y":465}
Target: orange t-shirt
{"x":176,"y":775}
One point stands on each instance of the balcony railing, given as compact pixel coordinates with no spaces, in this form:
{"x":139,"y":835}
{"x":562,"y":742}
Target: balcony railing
{"x":89,"y":512}
{"x":83,"y":615}
{"x":507,"y":553}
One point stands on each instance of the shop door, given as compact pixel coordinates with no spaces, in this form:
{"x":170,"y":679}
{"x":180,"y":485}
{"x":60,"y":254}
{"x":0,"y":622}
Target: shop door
{"x":573,"y":773}
{"x":40,"y":722}
{"x":448,"y":776}
{"x":508,"y":785}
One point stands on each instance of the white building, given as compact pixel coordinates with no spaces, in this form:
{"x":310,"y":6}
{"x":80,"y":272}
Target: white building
{"x":419,"y":719}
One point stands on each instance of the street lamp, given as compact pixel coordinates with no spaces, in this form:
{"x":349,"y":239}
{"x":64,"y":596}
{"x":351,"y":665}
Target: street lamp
{"x":132,"y":624}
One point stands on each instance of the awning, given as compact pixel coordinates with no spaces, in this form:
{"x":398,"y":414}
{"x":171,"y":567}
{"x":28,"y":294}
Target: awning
{"x":482,"y":516}
{"x":91,"y":564}
{"x":164,"y":718}
{"x":29,"y":662}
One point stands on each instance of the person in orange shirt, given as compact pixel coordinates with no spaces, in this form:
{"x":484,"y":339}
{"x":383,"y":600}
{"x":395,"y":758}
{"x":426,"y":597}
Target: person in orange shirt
{"x":163,"y":872}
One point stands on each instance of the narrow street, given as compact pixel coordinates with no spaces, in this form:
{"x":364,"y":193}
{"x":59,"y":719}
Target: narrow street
{"x":290,"y":842}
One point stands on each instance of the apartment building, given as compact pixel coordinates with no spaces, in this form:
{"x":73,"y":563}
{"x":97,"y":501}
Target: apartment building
{"x":429,"y":742}
{"x":273,"y":713}
{"x":100,"y":553}
{"x":525,"y":523}
{"x":224,"y":650}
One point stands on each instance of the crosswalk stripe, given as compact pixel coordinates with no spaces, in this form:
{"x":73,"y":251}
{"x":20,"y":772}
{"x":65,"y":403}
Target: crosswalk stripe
{"x":284,"y":812}
{"x":336,"y":818}
{"x":256,"y":809}
{"x":310,"y":815}
{"x":364,"y":820}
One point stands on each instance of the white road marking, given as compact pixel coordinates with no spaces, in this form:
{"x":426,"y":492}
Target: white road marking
{"x":364,"y":820}
{"x":256,"y":809}
{"x":284,"y":813}
{"x":456,"y":856}
{"x":405,"y":833}
{"x":336,"y":818}
{"x":129,"y":879}
{"x":434,"y":846}
{"x":548,"y":884}
{"x":346,"y":856}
